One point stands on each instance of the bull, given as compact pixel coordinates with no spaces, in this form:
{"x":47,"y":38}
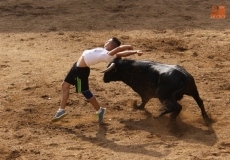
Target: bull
{"x":168,"y":83}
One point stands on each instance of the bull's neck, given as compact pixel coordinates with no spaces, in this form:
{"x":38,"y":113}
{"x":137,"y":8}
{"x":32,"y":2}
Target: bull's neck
{"x":131,"y":79}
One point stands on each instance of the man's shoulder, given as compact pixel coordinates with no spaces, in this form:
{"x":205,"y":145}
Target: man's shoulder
{"x":100,"y":49}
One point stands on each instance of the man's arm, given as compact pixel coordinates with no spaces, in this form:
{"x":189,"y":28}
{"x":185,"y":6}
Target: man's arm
{"x":124,"y":51}
{"x":120,"y":49}
{"x":128,"y":53}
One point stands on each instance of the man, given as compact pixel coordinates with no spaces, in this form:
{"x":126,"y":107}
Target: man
{"x":79,"y":73}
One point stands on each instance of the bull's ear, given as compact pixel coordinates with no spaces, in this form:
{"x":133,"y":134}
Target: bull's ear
{"x":117,"y":59}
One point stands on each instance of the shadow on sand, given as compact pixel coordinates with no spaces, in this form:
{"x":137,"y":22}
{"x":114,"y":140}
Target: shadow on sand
{"x":169,"y":132}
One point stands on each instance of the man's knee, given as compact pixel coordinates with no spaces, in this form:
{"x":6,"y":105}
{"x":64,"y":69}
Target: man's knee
{"x":88,"y":94}
{"x":65,"y":85}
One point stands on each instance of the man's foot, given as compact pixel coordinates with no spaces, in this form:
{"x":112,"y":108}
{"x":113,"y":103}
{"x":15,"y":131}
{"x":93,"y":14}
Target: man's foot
{"x":101,"y":115}
{"x":59,"y":115}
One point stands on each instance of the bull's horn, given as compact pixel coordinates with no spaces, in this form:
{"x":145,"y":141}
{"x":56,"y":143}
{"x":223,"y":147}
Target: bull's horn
{"x":112,"y":65}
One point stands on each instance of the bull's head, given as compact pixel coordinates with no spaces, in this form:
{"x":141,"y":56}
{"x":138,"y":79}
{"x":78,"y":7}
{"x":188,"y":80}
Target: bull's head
{"x":111,"y":73}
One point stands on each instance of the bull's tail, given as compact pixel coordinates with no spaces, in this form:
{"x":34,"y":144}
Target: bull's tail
{"x":199,"y":101}
{"x":192,"y":91}
{"x":195,"y":94}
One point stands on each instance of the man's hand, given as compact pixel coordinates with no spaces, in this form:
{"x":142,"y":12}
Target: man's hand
{"x":139,"y":52}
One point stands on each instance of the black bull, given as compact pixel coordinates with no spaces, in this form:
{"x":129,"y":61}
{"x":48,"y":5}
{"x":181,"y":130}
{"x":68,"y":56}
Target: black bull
{"x":150,"y":79}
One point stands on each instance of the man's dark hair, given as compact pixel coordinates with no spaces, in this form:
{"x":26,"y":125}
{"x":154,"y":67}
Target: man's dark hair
{"x":116,"y":40}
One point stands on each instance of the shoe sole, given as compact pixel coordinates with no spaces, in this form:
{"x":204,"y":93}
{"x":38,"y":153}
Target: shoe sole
{"x":102,"y":117}
{"x":59,"y":118}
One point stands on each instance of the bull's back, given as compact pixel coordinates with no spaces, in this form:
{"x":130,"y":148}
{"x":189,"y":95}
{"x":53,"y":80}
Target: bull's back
{"x":178,"y":71}
{"x":190,"y":85}
{"x":155,"y":70}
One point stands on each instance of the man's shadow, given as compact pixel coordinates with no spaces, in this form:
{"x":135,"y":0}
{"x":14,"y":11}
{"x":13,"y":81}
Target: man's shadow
{"x":102,"y":141}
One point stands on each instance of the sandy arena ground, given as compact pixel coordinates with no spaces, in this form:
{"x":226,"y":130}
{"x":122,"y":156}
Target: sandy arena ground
{"x":40,"y":40}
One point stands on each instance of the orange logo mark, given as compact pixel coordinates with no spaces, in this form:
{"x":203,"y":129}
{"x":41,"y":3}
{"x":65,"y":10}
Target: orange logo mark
{"x":218,"y":12}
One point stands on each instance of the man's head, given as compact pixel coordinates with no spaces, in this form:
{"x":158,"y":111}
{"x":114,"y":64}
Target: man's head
{"x":112,"y":43}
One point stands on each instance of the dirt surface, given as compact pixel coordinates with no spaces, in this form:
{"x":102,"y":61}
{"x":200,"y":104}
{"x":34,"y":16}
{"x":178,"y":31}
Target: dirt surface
{"x":40,"y":40}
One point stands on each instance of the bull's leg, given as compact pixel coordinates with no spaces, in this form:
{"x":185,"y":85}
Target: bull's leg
{"x":177,"y":108}
{"x":177,"y":95}
{"x":167,"y":107}
{"x":172,"y":105}
{"x":162,"y":94}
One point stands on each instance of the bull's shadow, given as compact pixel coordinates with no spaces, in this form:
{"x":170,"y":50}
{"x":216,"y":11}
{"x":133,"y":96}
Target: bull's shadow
{"x":163,"y":127}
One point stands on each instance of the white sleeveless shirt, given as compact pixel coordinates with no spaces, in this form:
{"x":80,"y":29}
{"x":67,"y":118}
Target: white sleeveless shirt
{"x":97,"y":55}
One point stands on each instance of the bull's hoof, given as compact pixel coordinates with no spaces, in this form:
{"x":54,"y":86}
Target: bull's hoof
{"x":207,"y":120}
{"x":140,"y":107}
{"x":164,"y":111}
{"x":161,"y":114}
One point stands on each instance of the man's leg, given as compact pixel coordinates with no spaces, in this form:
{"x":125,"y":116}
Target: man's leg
{"x":93,"y":101}
{"x":65,"y":94}
{"x":61,"y":113}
